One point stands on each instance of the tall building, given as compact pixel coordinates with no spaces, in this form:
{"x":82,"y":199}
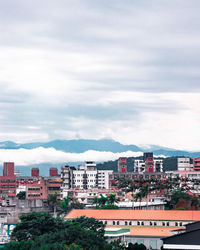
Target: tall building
{"x":122,"y":166}
{"x":85,"y":177}
{"x":148,"y":159}
{"x":8,"y":181}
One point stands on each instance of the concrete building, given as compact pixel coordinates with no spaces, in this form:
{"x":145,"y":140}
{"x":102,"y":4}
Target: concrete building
{"x":103,"y":178}
{"x":148,"y":164}
{"x":183,"y":164}
{"x":85,"y":177}
{"x":8,"y":181}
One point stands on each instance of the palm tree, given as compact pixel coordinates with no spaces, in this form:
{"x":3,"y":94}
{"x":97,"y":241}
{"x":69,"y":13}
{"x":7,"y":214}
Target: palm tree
{"x":53,"y":202}
{"x":138,"y":196}
{"x":112,"y":199}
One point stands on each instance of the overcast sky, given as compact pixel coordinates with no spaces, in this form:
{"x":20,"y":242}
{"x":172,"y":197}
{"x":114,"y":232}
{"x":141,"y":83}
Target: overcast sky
{"x":122,"y":69}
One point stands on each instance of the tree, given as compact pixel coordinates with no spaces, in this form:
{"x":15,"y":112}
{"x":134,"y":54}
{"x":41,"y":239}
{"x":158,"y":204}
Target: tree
{"x":21,"y":195}
{"x":139,"y":196}
{"x":64,"y":205}
{"x":34,"y":224}
{"x":40,"y":231}
{"x":53,"y":202}
{"x":112,"y":199}
{"x":136,"y":246}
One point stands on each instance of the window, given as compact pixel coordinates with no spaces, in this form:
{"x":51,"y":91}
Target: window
{"x":163,"y":224}
{"x":180,"y":224}
{"x":138,"y":223}
{"x":126,"y":223}
{"x":155,"y":223}
{"x":153,"y":244}
{"x":140,"y":241}
{"x":118,"y":223}
{"x":130,"y":223}
{"x":113,"y":222}
{"x":176,"y":224}
{"x":142,"y":223}
{"x":105,"y":222}
{"x":150,"y":223}
{"x":167,"y":223}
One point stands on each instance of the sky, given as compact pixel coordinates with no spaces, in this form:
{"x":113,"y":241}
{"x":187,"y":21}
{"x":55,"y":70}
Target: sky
{"x":126,"y":70}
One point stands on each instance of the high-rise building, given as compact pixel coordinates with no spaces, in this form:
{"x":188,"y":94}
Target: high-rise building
{"x":122,"y":166}
{"x":148,"y":159}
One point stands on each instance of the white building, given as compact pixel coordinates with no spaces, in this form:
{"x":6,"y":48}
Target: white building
{"x":85,"y":177}
{"x":183,"y":164}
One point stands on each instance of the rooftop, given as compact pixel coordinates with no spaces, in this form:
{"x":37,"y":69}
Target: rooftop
{"x":123,"y":214}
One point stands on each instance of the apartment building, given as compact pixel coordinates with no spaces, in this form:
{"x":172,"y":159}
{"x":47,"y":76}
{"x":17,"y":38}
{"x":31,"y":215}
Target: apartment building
{"x":148,"y":164}
{"x":183,"y":164}
{"x":38,"y":187}
{"x":8,"y":183}
{"x":85,"y":177}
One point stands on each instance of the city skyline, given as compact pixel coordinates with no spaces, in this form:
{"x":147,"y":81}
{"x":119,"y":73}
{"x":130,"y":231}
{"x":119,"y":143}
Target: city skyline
{"x":126,"y":70}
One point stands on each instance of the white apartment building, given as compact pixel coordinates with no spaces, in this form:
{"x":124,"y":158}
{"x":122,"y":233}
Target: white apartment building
{"x":183,"y":164}
{"x":103,"y":178}
{"x":85,"y":177}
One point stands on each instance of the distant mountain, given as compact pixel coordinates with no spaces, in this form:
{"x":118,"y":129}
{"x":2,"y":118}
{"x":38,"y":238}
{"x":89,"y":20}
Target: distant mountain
{"x":82,"y":145}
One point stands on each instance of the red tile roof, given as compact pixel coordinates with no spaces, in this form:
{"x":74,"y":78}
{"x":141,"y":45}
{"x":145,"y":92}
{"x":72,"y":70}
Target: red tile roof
{"x":123,"y":214}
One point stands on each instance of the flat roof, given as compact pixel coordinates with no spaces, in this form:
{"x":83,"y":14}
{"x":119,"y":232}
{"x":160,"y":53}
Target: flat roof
{"x":124,"y":214}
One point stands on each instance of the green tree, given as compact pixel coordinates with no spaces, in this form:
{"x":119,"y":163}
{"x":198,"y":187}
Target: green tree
{"x":21,"y":195}
{"x":53,"y":202}
{"x":136,"y":246}
{"x":34,"y":224}
{"x":40,"y":231}
{"x":112,"y":199}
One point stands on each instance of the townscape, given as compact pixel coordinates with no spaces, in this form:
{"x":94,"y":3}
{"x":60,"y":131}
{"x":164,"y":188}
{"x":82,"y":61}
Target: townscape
{"x":146,"y":206}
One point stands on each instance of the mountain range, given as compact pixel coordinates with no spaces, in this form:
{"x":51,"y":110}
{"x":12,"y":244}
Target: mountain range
{"x":82,"y":145}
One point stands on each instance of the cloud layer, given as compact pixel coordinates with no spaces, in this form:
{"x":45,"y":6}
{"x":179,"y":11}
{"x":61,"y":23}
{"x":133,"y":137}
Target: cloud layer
{"x":127,"y":70}
{"x":25,"y":157}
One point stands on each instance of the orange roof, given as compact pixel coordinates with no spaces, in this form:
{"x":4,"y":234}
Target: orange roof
{"x":149,"y":231}
{"x":124,"y":214}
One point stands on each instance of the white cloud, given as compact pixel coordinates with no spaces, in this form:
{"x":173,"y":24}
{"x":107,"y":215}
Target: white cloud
{"x":126,"y":70}
{"x":25,"y":157}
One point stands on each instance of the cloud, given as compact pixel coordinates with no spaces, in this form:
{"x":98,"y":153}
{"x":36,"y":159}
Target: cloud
{"x":92,"y":69}
{"x":24,"y":157}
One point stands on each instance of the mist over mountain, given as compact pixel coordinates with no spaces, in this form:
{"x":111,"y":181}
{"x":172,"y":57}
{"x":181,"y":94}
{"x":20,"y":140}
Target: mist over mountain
{"x":57,"y":153}
{"x":103,"y":145}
